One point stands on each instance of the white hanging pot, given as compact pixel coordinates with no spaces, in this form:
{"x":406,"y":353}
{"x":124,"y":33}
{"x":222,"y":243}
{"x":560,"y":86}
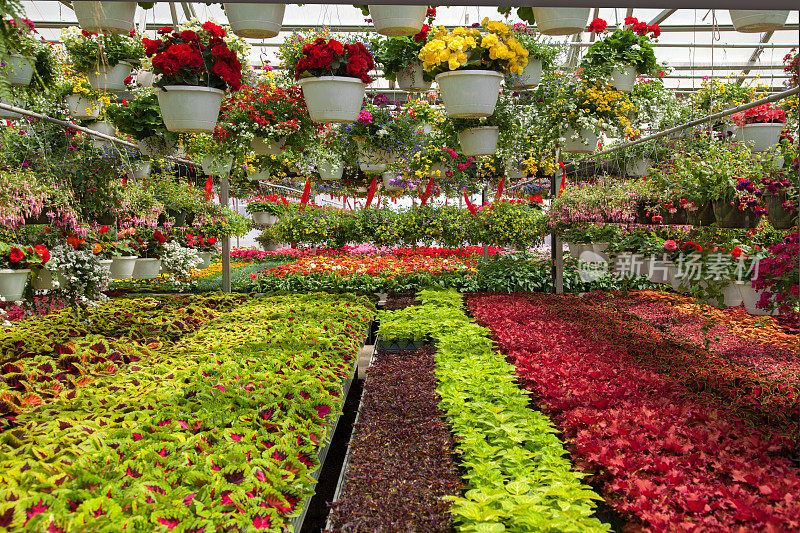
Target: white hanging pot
{"x":623,"y":78}
{"x":105,"y":78}
{"x":372,"y":160}
{"x":751,"y":297}
{"x":190,"y":109}
{"x":145,"y":78}
{"x":122,"y":266}
{"x":157,"y":146}
{"x":146,"y":268}
{"x":479,"y":141}
{"x":639,"y":167}
{"x":140,"y":169}
{"x":82,"y":107}
{"x":515,"y":174}
{"x":106,"y":128}
{"x":263,"y":218}
{"x":387,"y":178}
{"x":11,"y":115}
{"x":397,"y":21}
{"x":761,"y":137}
{"x":216,"y":166}
{"x":255,"y":21}
{"x":334,"y":99}
{"x":758,"y":21}
{"x":18,"y":69}
{"x":561,"y":20}
{"x":600,"y":248}
{"x":411,"y":78}
{"x":205,"y":260}
{"x":329,"y":170}
{"x":584,"y":144}
{"x":262,"y":147}
{"x":105,"y":17}
{"x":12,"y":283}
{"x":437,"y":170}
{"x":530,"y":77}
{"x":469,"y":93}
{"x":261,"y":175}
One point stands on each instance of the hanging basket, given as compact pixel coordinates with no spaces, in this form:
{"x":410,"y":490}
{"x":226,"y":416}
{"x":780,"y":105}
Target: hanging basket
{"x":105,"y":17}
{"x":146,"y":268}
{"x":106,"y":128}
{"x":761,"y":137}
{"x":530,"y":77}
{"x":330,"y":171}
{"x":262,"y":218}
{"x":205,"y":260}
{"x":333,"y":99}
{"x":255,"y":21}
{"x":758,"y":21}
{"x":18,"y":69}
{"x":372,"y":160}
{"x":387,"y":178}
{"x":479,"y":141}
{"x":105,"y":78}
{"x":702,"y":216}
{"x":262,"y":147}
{"x":561,"y":20}
{"x":780,"y":217}
{"x":145,"y":78}
{"x":45,"y":280}
{"x":398,"y":21}
{"x":190,"y":109}
{"x":157,"y":145}
{"x":411,"y":78}
{"x":730,"y":216}
{"x":623,"y":78}
{"x":469,"y":93}
{"x":10,"y":115}
{"x":261,"y":175}
{"x":12,"y":283}
{"x":584,"y":144}
{"x":140,"y":169}
{"x":639,"y":167}
{"x":122,"y":266}
{"x":81,"y":107}
{"x":216,"y":166}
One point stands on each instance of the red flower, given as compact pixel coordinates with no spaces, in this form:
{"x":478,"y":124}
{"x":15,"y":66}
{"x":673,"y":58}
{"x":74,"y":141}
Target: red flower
{"x":631,"y":21}
{"x":598,"y":25}
{"x":103,"y":230}
{"x":43,"y":252}
{"x":212,"y":240}
{"x":15,"y":255}
{"x":431,"y":12}
{"x":213,"y":29}
{"x":164,"y":30}
{"x":87,"y":33}
{"x":159,"y":237}
{"x":127,"y":81}
{"x":189,"y":36}
{"x":150,"y":46}
{"x":736,"y":252}
{"x":656,"y":31}
{"x":641,"y":28}
{"x":423,"y":33}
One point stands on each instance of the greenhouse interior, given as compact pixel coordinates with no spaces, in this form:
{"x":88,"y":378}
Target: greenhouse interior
{"x":516,"y":268}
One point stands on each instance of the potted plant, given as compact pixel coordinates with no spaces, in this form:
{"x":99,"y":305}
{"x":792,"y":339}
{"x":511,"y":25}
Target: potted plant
{"x":541,"y":55}
{"x":107,"y":17}
{"x":15,"y":265}
{"x":18,"y":51}
{"x":775,"y":290}
{"x":327,"y":152}
{"x":255,"y":21}
{"x":81,"y":101}
{"x":560,"y":20}
{"x":758,"y":20}
{"x":381,"y":134}
{"x":479,"y":136}
{"x":149,"y":246}
{"x":469,"y":64}
{"x":105,"y":60}
{"x":267,"y":209}
{"x":140,"y":118}
{"x":397,"y":20}
{"x":623,"y":53}
{"x":206,"y":247}
{"x":107,"y":245}
{"x":761,"y":126}
{"x":333,"y":77}
{"x":81,"y":275}
{"x":399,"y":60}
{"x":196,"y":65}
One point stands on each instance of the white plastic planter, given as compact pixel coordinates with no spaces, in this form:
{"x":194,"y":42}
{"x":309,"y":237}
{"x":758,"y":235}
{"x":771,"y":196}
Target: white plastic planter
{"x":750,"y":298}
{"x":146,"y":268}
{"x":205,"y":260}
{"x":44,"y":280}
{"x":411,"y":78}
{"x":658,"y":271}
{"x":261,"y":175}
{"x":264,"y":219}
{"x":530,"y":77}
{"x":105,"y":78}
{"x":371,"y":160}
{"x":105,"y":264}
{"x":330,"y":171}
{"x":639,"y":167}
{"x":105,"y":17}
{"x":516,"y":174}
{"x":584,"y":144}
{"x":561,"y":20}
{"x":333,"y":99}
{"x":190,"y":109}
{"x":623,"y":78}
{"x":10,"y":115}
{"x":760,"y":137}
{"x":469,"y":93}
{"x":216,"y":166}
{"x":731,"y":295}
{"x":255,"y":21}
{"x":758,"y":21}
{"x":12,"y":283}
{"x":479,"y":141}
{"x":262,"y":147}
{"x":140,"y":169}
{"x":397,"y":21}
{"x":122,"y":266}
{"x":437,"y":170}
{"x":145,"y":78}
{"x":157,"y":146}
{"x":106,"y":128}
{"x":577,"y":249}
{"x":82,"y":107}
{"x":18,"y":69}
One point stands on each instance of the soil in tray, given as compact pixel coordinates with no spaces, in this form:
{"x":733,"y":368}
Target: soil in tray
{"x":400,"y":300}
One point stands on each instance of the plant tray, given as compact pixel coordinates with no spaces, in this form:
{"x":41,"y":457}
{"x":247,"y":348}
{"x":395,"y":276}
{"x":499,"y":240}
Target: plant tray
{"x":398,"y":345}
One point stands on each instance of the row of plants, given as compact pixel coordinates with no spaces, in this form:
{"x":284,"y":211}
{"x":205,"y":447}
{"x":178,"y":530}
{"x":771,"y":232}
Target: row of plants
{"x":665,"y":452}
{"x":514,"y":467}
{"x":151,"y":448}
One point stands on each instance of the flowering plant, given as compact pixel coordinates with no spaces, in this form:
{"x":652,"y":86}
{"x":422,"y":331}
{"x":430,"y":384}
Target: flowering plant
{"x":329,"y":57}
{"x":82,"y":277}
{"x":201,"y":243}
{"x":88,"y":50}
{"x":149,"y":242}
{"x":380,"y":128}
{"x":198,"y":56}
{"x":762,"y":114}
{"x":394,"y":54}
{"x":629,"y":45}
{"x":538,"y":47}
{"x":180,"y":262}
{"x":140,"y":117}
{"x":494,"y":48}
{"x":18,"y":35}
{"x":16,"y":256}
{"x":778,"y":275}
{"x":272,"y":204}
{"x":792,"y":60}
{"x":106,"y":243}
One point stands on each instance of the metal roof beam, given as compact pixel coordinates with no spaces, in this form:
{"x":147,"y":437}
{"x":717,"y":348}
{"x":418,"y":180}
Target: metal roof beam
{"x":661,"y":17}
{"x":755,"y":55}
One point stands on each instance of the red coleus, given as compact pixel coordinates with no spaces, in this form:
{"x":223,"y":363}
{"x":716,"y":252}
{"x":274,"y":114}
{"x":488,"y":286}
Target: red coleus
{"x":332,"y":58}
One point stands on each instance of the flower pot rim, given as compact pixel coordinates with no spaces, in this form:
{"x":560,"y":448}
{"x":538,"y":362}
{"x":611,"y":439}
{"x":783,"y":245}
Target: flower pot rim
{"x":121,"y":62}
{"x":480,"y":128}
{"x":781,"y":124}
{"x":148,"y":259}
{"x":312,"y":79}
{"x":14,"y":270}
{"x":29,"y":58}
{"x":470,"y":72}
{"x":168,"y":88}
{"x":125,"y":257}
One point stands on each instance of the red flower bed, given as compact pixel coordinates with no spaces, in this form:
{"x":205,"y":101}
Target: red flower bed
{"x":669,"y":459}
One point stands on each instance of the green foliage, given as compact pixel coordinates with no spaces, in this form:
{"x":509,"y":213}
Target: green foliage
{"x":139,"y":117}
{"x":88,"y":52}
{"x":620,"y":48}
{"x":397,"y":53}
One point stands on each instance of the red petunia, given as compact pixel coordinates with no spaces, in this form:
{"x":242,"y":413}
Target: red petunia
{"x":42,"y":252}
{"x":15,"y":255}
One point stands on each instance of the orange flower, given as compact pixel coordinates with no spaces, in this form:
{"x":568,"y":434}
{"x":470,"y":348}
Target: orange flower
{"x":74,"y":241}
{"x":96,"y":248}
